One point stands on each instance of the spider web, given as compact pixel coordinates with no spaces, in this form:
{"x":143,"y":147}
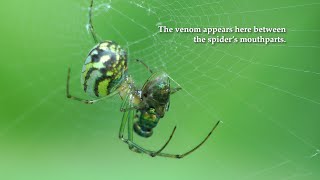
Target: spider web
{"x":216,"y":80}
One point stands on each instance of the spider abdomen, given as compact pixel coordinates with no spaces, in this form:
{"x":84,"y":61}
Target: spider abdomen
{"x":104,"y":69}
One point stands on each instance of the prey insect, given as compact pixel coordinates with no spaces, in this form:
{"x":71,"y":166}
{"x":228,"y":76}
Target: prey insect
{"x":104,"y":74}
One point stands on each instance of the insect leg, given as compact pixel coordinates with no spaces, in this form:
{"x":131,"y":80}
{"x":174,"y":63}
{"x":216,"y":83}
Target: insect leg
{"x":174,"y":90}
{"x":127,"y":109}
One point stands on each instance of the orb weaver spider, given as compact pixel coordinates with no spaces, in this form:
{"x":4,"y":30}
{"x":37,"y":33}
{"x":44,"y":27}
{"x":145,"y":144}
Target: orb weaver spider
{"x":104,"y":74}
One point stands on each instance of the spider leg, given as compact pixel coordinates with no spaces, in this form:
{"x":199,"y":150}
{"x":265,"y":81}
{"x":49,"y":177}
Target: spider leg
{"x":125,"y":101}
{"x":126,"y":115}
{"x":123,"y":122}
{"x":91,"y":28}
{"x":127,"y":118}
{"x":130,"y":130}
{"x":153,"y":154}
{"x":80,"y":99}
{"x":128,"y":109}
{"x":179,"y":156}
{"x":145,"y":65}
{"x":123,"y":107}
{"x":136,"y":148}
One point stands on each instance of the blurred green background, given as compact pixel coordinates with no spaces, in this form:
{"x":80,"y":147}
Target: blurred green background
{"x":266,"y":95}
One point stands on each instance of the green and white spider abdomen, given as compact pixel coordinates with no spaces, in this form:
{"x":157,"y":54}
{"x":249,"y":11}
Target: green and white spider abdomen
{"x":104,"y":69}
